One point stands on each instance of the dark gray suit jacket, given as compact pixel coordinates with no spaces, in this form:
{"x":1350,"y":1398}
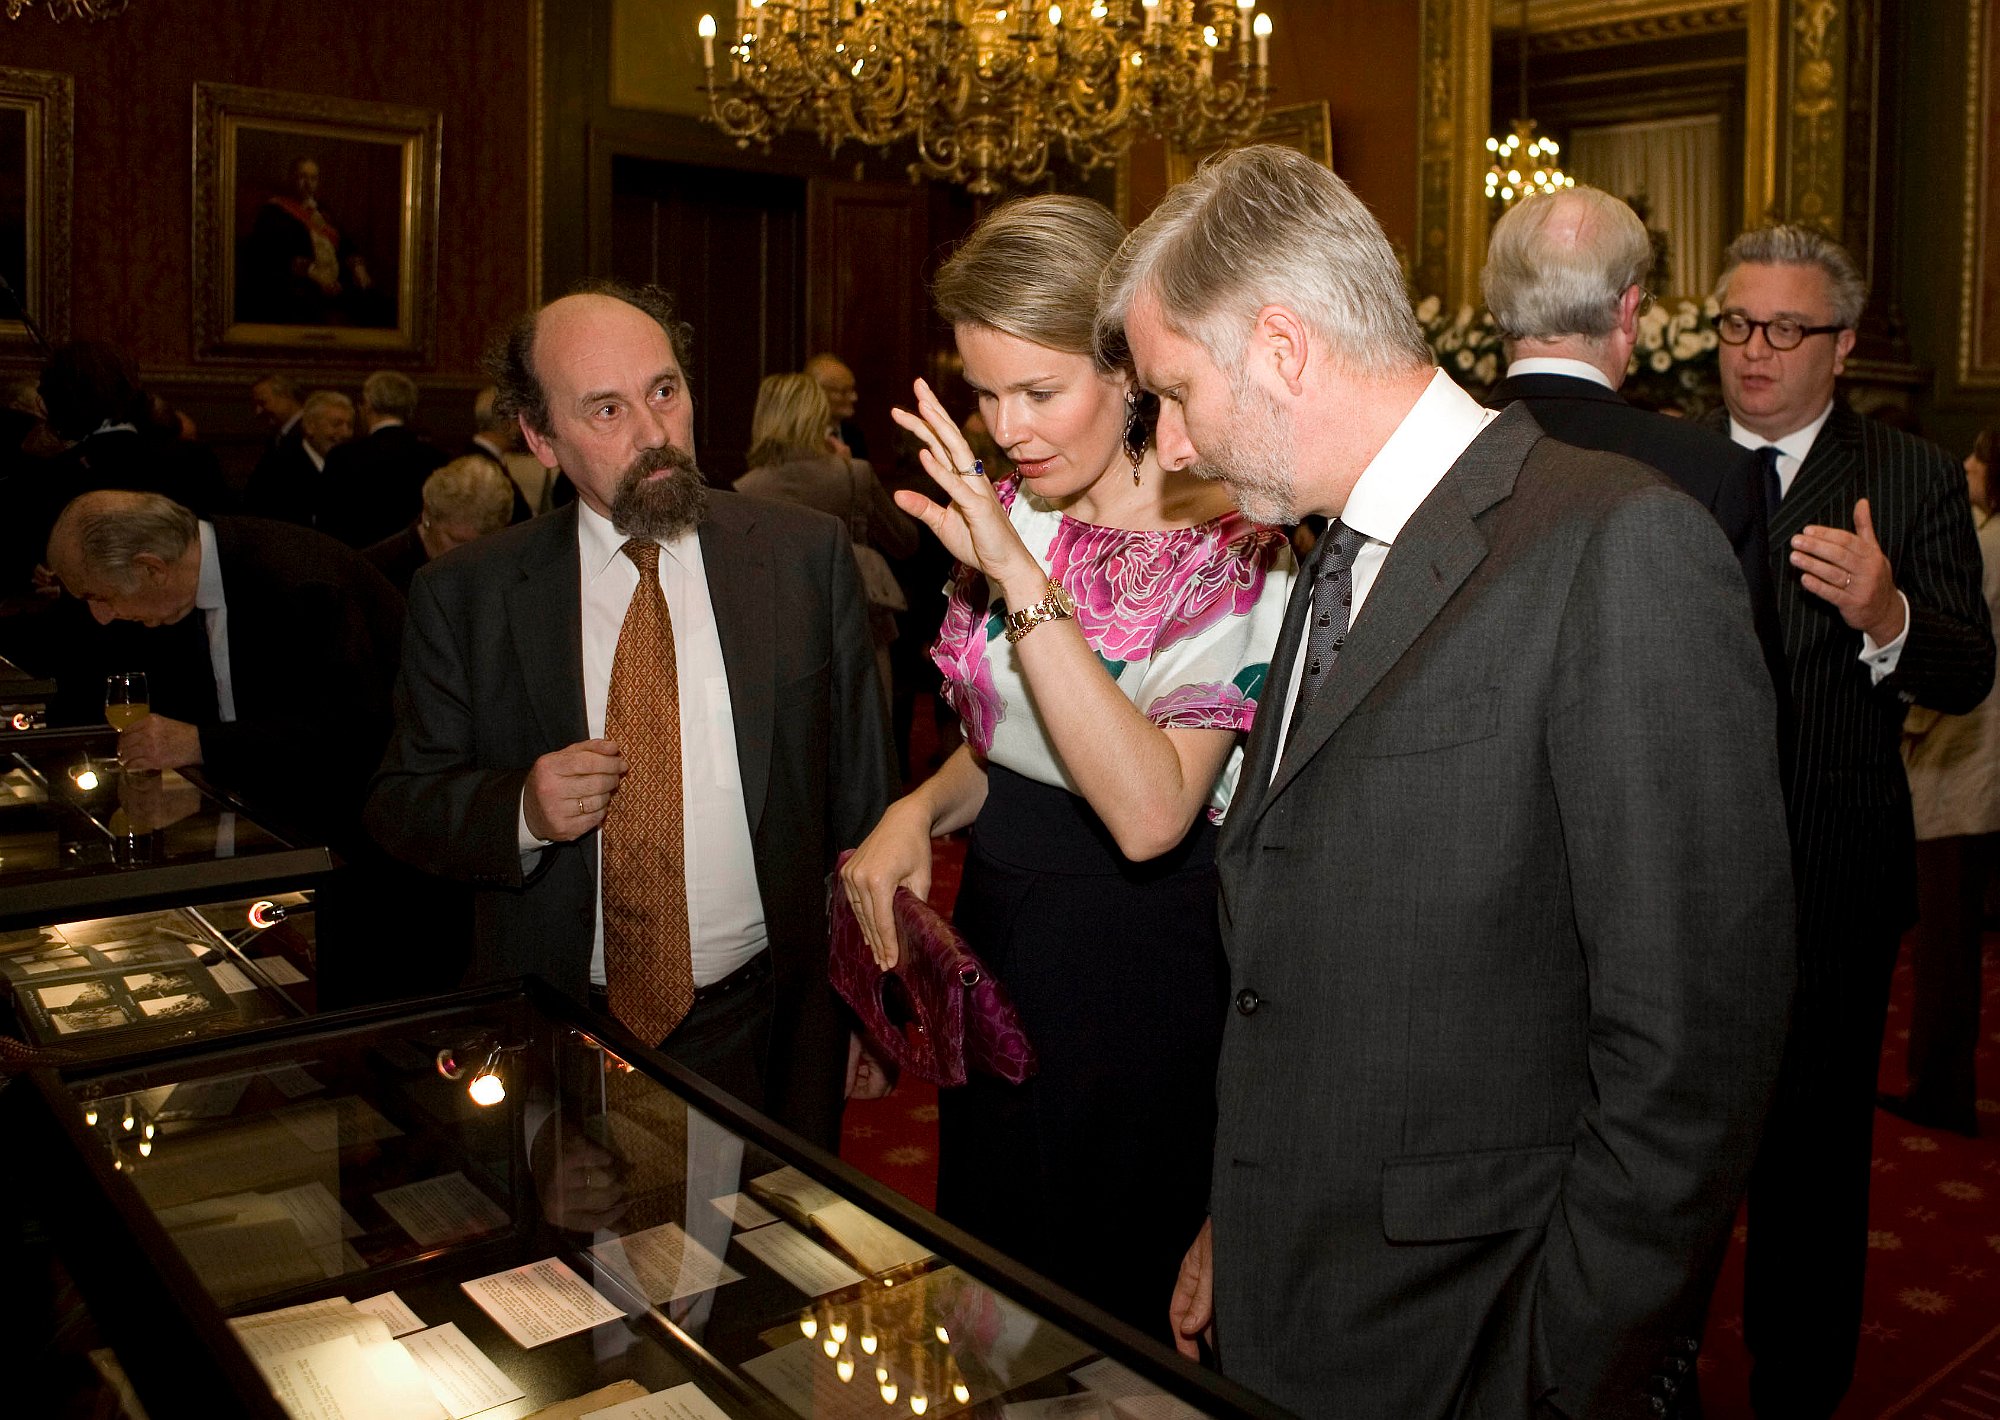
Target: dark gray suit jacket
{"x":1716,"y":473}
{"x":493,"y":679}
{"x":1511,"y":951}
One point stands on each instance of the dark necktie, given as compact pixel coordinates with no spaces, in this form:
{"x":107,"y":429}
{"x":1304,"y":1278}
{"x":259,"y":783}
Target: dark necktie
{"x":648,"y":967}
{"x":1332,"y":608}
{"x":1774,"y":487}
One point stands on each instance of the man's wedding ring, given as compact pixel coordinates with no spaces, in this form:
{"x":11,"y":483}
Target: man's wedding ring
{"x":580,"y":809}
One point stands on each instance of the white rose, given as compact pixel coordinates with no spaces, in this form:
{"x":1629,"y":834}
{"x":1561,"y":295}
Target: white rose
{"x":1660,"y":361}
{"x":1450,"y":340}
{"x":1711,"y":308}
{"x":1687,"y":346}
{"x":1428,"y":308}
{"x":1708,"y":340}
{"x":1463,"y":359}
{"x":1632,"y":365}
{"x":1488,"y":369}
{"x":1464,"y":318}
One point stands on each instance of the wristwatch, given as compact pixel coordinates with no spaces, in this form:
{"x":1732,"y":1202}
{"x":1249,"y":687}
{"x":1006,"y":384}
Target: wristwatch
{"x":1058,"y":605}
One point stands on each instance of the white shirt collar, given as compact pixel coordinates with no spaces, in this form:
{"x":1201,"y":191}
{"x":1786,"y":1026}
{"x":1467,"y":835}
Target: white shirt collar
{"x":1425,"y":445}
{"x":208,"y":588}
{"x":490,"y":447}
{"x":598,"y":543}
{"x":318,"y":458}
{"x":1559,"y":365}
{"x":384,"y":421}
{"x":1797,"y":444}
{"x":292,"y":423}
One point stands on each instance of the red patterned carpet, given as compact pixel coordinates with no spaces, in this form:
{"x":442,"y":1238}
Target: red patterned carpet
{"x":1931,"y":1321}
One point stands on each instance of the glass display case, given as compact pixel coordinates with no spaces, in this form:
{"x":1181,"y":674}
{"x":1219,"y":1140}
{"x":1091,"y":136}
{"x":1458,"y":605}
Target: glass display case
{"x":24,"y":698}
{"x":500,"y":1205}
{"x":82,"y":837}
{"x":143,"y":909}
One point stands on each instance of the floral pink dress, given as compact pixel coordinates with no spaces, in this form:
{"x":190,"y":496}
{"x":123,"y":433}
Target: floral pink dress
{"x":1184,"y":619}
{"x":1095,"y":1170}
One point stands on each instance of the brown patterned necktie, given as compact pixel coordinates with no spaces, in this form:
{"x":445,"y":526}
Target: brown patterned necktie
{"x":648,"y":969}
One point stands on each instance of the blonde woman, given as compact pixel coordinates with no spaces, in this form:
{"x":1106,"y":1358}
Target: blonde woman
{"x":1105,"y":647}
{"x":794,"y":458}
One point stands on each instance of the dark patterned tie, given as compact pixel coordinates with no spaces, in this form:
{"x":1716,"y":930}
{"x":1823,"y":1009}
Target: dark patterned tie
{"x":1774,"y":487}
{"x":648,"y":969}
{"x":1332,"y":610}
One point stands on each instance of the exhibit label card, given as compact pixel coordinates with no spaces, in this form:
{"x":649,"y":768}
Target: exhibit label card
{"x":446,"y":1209}
{"x":400,"y":1320}
{"x":458,"y":1372}
{"x":541,"y":1302}
{"x":683,"y":1402}
{"x":343,"y":1380}
{"x":800,"y":1261}
{"x":664,"y":1264}
{"x":744,"y":1211}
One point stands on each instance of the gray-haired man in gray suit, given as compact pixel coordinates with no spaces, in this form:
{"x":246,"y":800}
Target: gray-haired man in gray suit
{"x":1505,"y":888}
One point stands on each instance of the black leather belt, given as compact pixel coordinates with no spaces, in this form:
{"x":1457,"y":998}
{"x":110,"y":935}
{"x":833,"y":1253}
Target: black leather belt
{"x":754,"y":972}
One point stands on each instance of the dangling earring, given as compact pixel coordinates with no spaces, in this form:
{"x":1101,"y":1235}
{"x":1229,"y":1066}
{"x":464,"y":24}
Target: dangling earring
{"x":1135,"y":434}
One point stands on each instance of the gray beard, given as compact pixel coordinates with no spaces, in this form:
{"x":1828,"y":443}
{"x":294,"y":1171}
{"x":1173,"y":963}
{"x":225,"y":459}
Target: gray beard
{"x":660,"y":509}
{"x":1256,"y":462}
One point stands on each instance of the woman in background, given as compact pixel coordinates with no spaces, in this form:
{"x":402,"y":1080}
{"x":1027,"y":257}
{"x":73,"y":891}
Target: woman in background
{"x":1954,"y":766}
{"x":796,"y":458}
{"x":1108,"y":635}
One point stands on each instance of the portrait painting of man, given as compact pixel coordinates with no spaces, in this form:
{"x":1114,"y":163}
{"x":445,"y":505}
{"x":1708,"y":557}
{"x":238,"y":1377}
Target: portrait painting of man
{"x":318,"y":229}
{"x":315,"y":222}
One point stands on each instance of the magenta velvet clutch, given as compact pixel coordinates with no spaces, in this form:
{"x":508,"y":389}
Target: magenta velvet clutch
{"x":939,"y":1013}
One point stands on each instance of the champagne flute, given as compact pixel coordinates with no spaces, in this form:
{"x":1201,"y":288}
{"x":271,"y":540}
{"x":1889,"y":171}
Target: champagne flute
{"x":125,"y":699}
{"x":126,"y":703}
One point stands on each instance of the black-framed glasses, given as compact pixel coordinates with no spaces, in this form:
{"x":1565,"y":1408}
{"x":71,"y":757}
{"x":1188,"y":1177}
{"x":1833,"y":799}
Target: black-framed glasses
{"x":1784,"y":333}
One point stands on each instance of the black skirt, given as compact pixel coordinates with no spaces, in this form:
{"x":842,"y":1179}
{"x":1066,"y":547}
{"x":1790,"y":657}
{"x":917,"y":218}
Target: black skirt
{"x":1096,"y":1170}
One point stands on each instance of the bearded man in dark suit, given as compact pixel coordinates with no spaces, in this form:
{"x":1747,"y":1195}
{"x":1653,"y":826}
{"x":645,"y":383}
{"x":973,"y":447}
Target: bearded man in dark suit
{"x":1878,"y":584}
{"x":642,"y":726}
{"x":1565,"y":278}
{"x":1504,"y":884}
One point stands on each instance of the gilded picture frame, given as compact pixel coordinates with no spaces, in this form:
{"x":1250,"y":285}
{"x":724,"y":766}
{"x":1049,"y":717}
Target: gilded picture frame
{"x":315,"y":226}
{"x":1306,"y":128}
{"x":37,"y":156}
{"x":1976,"y":369}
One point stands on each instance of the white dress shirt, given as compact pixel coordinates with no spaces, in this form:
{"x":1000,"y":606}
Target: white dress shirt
{"x":725,"y":912}
{"x":318,"y":458}
{"x":1404,"y":472}
{"x":214,"y":611}
{"x":1559,"y":365}
{"x":1792,"y":451}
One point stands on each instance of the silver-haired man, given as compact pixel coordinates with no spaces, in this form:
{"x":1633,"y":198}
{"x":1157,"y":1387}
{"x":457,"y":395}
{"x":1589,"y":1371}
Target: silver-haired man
{"x":1879,"y":596}
{"x":1566,"y":278}
{"x":1505,"y":889}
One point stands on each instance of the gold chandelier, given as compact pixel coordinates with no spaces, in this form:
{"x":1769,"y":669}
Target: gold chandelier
{"x":1523,"y":165}
{"x":986,"y":88}
{"x":60,"y":10}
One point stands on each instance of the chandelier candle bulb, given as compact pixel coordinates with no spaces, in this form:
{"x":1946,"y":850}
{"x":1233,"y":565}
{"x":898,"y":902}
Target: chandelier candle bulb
{"x":706,"y":29}
{"x":1263,"y":41}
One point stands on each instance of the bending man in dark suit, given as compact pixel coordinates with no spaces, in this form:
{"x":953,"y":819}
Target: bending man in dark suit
{"x":279,"y":689}
{"x":1504,"y":889}
{"x":1565,"y":278}
{"x":647,"y":791}
{"x":1878,"y":580}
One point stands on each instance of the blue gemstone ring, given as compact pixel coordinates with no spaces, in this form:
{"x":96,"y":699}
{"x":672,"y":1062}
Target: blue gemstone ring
{"x":978,"y":469}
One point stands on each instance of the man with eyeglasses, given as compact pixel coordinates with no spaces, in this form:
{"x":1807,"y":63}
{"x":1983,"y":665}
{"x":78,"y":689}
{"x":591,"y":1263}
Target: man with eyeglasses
{"x":1879,"y":601}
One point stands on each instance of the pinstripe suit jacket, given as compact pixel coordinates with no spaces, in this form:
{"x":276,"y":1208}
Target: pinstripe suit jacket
{"x":1850,"y":802}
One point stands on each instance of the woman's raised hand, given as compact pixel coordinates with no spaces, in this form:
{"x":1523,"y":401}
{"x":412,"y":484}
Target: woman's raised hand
{"x":973,"y":527}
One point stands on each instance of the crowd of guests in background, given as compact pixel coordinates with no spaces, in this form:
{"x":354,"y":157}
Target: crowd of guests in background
{"x":1427,"y":939}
